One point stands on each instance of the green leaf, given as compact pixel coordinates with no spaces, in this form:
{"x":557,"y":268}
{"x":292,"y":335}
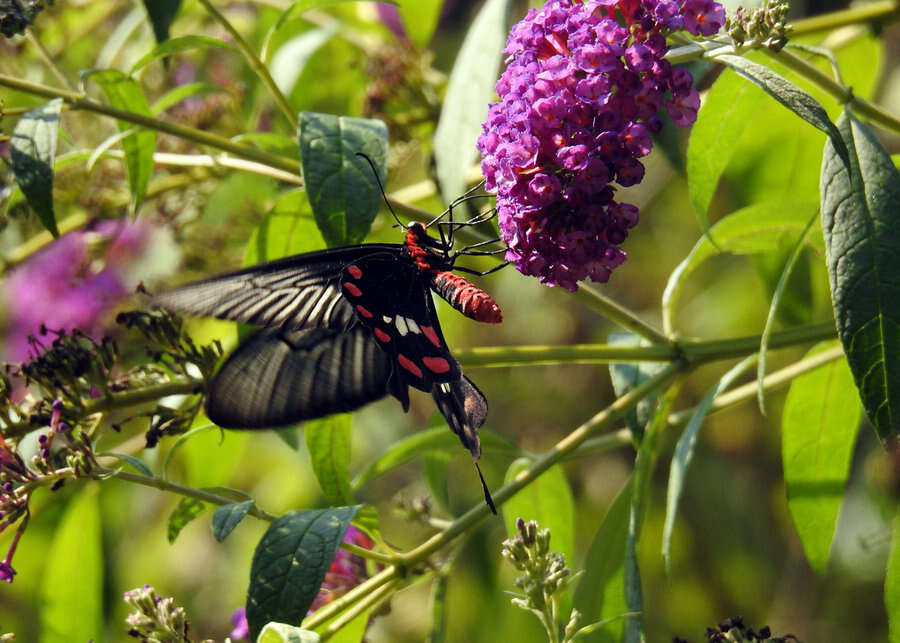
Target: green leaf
{"x":328,"y":442}
{"x":789,"y":95}
{"x":138,"y":464}
{"x":859,"y":218}
{"x":293,"y":12}
{"x":818,"y":430}
{"x":162,"y":15}
{"x":283,"y":633}
{"x":626,"y":377}
{"x":438,"y":439}
{"x":435,"y":466}
{"x":728,"y":106}
{"x":290,"y":59}
{"x":31,"y":154}
{"x":755,"y":229}
{"x":469,"y":90}
{"x":600,"y":593}
{"x":125,"y":93}
{"x":548,"y":500}
{"x":185,"y":512}
{"x":420,"y":19}
{"x":366,"y":520}
{"x":227,"y":517}
{"x":176,"y":45}
{"x":684,"y":452}
{"x":341,"y":187}
{"x":288,"y":229}
{"x":182,"y":92}
{"x":892,"y":584}
{"x":290,"y":562}
{"x":73,"y":573}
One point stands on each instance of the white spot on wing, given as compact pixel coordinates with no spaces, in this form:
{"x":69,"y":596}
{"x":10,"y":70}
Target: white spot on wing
{"x":413,"y":326}
{"x":387,"y":320}
{"x":400,"y":323}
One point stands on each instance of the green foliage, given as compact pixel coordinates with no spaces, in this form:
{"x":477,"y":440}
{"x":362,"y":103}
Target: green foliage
{"x":32,"y":153}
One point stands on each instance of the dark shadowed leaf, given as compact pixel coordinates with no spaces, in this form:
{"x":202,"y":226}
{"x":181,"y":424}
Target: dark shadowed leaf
{"x":341,"y":186}
{"x":859,"y":218}
{"x":290,"y":562}
{"x":162,"y":15}
{"x":469,"y":90}
{"x":328,"y":442}
{"x":185,"y":512}
{"x":227,"y":517}
{"x":32,"y":151}
{"x":125,"y":93}
{"x":600,"y":593}
{"x":626,"y":377}
{"x":818,"y":430}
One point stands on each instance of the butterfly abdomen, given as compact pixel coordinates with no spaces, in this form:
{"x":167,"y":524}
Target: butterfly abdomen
{"x":467,"y":298}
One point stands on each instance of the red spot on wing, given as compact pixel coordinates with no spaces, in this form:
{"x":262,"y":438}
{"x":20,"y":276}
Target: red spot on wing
{"x":362,"y":310}
{"x":352,"y":289}
{"x":436,"y":364}
{"x":409,"y":365}
{"x":354,"y":271}
{"x":382,"y":336}
{"x":431,"y":335}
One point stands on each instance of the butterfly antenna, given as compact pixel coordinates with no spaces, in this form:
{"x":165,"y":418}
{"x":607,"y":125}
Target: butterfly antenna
{"x":381,"y":187}
{"x":468,"y":194}
{"x":487,"y":493}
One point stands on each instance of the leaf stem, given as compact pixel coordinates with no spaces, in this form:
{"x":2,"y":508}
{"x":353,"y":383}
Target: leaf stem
{"x":617,"y":313}
{"x":78,"y":100}
{"x":368,"y":601}
{"x":255,"y":63}
{"x":47,"y":58}
{"x":877,"y":12}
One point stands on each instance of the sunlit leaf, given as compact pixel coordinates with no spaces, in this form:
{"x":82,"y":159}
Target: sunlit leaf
{"x":328,"y":442}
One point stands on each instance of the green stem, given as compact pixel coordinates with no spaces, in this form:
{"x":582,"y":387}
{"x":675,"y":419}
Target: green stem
{"x":710,"y":351}
{"x":47,"y":58}
{"x":371,"y":600}
{"x":501,"y":356}
{"x":79,"y":100}
{"x":338,"y":605}
{"x":255,"y":63}
{"x":617,"y":313}
{"x":873,"y":12}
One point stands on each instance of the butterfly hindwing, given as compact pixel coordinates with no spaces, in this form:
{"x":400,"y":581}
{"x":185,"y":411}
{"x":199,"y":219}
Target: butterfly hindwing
{"x":280,"y":377}
{"x":391,"y":297}
{"x":302,"y":291}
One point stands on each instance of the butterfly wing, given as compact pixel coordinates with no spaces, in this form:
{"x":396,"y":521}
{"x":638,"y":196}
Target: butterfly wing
{"x":302,"y":291}
{"x":278,"y":377}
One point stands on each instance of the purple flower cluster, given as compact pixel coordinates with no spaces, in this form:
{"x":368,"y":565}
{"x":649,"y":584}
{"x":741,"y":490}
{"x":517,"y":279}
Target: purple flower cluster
{"x":578,"y":102}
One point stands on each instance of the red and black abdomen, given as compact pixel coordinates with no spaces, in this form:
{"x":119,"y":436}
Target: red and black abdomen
{"x":467,"y":298}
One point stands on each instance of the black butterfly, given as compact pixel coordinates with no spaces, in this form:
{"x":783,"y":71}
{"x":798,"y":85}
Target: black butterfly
{"x":341,"y":328}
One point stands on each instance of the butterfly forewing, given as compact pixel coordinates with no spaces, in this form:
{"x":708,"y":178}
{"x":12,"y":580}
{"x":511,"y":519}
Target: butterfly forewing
{"x":280,"y":377}
{"x":294,"y":292}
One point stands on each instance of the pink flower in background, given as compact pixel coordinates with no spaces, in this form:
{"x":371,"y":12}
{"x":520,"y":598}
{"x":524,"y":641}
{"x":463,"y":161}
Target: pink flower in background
{"x":346,"y":572}
{"x":77,"y":280}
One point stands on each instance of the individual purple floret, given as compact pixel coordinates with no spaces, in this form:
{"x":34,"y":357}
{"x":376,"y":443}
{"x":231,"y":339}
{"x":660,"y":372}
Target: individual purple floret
{"x":578,"y":102}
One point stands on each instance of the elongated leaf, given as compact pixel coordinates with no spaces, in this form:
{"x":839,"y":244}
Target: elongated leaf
{"x":227,"y":517}
{"x":818,"y":430}
{"x":287,"y":229}
{"x":328,"y":442}
{"x":600,"y":593}
{"x":892,"y":585}
{"x":435,"y":465}
{"x":73,"y":575}
{"x":162,"y":15}
{"x":420,"y":19}
{"x":182,"y":92}
{"x":341,"y":187}
{"x":548,"y":500}
{"x":366,"y":520}
{"x":139,"y":465}
{"x":124,"y":92}
{"x":32,"y":152}
{"x":789,"y":95}
{"x":859,"y":218}
{"x":728,"y":106}
{"x":176,"y":45}
{"x":284,"y":633}
{"x":290,"y":59}
{"x":290,"y":562}
{"x":185,"y":512}
{"x":439,"y":439}
{"x":626,"y":377}
{"x":293,"y":12}
{"x":684,"y":452}
{"x":469,"y":90}
{"x":758,"y":228}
